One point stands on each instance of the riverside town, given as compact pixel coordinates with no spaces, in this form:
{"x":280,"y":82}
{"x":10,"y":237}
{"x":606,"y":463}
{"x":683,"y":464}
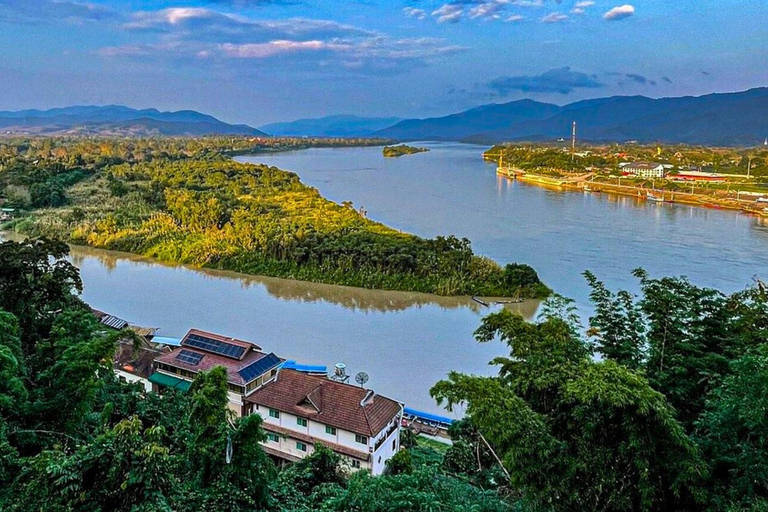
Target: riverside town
{"x":383,"y":256}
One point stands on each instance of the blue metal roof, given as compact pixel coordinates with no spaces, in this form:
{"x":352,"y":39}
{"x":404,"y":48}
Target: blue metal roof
{"x":306,"y":368}
{"x":175,"y":342}
{"x":427,"y":416}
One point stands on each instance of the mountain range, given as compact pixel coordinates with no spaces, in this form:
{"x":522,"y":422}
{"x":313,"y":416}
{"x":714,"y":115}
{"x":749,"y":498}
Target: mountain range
{"x":713,"y":119}
{"x":331,"y":126}
{"x":727,"y":119}
{"x":117,"y":120}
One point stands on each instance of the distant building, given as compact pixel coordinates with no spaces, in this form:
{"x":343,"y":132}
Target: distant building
{"x":300,"y":410}
{"x":248,"y":368}
{"x":7,"y":213}
{"x":645,"y":169}
{"x":685,"y":175}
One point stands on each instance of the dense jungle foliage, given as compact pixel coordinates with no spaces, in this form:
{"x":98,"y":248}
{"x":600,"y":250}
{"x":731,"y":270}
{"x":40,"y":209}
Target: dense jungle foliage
{"x":74,"y":438}
{"x":671,"y":416}
{"x":184,"y":201}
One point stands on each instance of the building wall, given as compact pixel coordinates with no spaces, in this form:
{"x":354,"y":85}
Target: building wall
{"x":343,"y":437}
{"x":129,"y":377}
{"x":314,"y":429}
{"x":388,"y":448}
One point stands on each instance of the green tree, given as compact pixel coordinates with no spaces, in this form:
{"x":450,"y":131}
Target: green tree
{"x":689,"y":340}
{"x":573,"y":433}
{"x":37,"y":283}
{"x":733,"y":433}
{"x":617,"y":325}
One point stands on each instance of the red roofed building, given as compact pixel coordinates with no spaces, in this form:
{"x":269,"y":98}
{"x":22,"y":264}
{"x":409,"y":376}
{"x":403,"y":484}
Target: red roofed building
{"x":300,"y":410}
{"x":247,"y":366}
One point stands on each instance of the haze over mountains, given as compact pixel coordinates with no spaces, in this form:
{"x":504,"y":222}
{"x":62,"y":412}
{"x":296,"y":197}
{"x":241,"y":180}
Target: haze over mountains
{"x":714,"y":119}
{"x":331,"y":126}
{"x":117,"y":120}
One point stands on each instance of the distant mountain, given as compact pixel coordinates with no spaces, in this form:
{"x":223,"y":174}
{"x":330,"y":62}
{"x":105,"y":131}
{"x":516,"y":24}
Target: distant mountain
{"x":332,"y":126}
{"x":117,"y":120}
{"x":464,"y":124}
{"x":715,"y":119}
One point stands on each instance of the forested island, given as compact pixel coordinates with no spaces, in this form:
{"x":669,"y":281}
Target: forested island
{"x":186,"y":201}
{"x":671,"y":416}
{"x":401,"y":150}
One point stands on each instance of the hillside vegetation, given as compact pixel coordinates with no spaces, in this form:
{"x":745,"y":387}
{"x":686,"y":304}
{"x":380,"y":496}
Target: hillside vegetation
{"x":188,"y":204}
{"x":401,"y":150}
{"x":660,"y":404}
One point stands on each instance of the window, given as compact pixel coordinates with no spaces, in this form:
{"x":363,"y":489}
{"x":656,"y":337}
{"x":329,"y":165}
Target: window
{"x":273,"y":437}
{"x":301,"y":446}
{"x":274,"y":414}
{"x":394,"y":444}
{"x":301,"y":422}
{"x":330,"y":430}
{"x":361,"y":439}
{"x":355,"y":463}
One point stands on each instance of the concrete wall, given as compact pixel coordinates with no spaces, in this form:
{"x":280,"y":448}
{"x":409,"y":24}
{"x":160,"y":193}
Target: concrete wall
{"x":129,"y":377}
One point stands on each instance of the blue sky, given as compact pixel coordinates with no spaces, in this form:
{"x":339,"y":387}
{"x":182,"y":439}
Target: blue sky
{"x":258,"y":61}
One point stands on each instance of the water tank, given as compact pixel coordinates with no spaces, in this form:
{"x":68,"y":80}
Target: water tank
{"x":341,"y":371}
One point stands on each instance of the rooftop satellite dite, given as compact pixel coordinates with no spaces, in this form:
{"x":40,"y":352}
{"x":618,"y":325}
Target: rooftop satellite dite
{"x":361,"y":378}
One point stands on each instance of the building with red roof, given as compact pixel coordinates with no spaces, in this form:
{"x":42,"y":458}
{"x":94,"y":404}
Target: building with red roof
{"x":247,"y":366}
{"x":300,"y":410}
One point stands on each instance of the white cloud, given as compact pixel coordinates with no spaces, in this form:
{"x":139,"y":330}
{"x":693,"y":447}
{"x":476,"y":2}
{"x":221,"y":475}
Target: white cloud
{"x":554,"y":17}
{"x":528,"y":3}
{"x":448,"y":13}
{"x":488,"y":9}
{"x":515,"y":18}
{"x":584,"y":4}
{"x":272,"y":48}
{"x":412,"y":12}
{"x":619,"y":13}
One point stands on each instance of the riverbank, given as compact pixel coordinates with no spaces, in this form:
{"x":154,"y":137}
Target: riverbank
{"x":587,"y":183}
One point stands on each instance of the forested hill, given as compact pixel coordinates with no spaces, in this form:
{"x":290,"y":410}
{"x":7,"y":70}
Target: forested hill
{"x":117,"y":120}
{"x":731,"y":119}
{"x":183,"y":201}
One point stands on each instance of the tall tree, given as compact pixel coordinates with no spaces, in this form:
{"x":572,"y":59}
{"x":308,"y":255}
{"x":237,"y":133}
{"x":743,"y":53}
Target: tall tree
{"x":617,"y":324}
{"x":36,"y":283}
{"x":573,"y":433}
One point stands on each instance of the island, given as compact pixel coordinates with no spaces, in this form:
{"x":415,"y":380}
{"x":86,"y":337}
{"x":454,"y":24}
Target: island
{"x":186,"y":201}
{"x":400,"y":150}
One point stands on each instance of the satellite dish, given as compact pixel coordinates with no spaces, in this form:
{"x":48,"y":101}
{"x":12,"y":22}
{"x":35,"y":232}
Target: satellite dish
{"x":361,"y":378}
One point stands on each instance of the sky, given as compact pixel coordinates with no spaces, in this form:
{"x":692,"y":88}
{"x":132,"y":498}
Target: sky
{"x":261,"y":61}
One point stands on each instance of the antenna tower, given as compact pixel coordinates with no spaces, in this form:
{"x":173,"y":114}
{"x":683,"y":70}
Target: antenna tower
{"x":573,"y":142}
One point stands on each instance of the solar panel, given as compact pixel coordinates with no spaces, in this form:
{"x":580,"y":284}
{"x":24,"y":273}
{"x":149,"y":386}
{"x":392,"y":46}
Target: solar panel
{"x":189,"y":357}
{"x":215,"y":346}
{"x":114,"y":322}
{"x":260,"y":367}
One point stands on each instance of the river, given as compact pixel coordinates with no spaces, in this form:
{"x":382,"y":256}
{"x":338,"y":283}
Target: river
{"x":451,"y":190}
{"x":408,"y":341}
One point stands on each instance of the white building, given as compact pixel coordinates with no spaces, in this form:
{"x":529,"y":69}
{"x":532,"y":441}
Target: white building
{"x":300,"y":410}
{"x":645,"y":169}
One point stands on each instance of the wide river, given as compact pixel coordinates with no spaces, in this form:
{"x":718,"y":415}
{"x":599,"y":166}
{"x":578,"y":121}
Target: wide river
{"x":407,"y":341}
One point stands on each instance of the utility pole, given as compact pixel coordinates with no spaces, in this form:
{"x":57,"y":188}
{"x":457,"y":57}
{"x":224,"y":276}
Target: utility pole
{"x":573,"y":142}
